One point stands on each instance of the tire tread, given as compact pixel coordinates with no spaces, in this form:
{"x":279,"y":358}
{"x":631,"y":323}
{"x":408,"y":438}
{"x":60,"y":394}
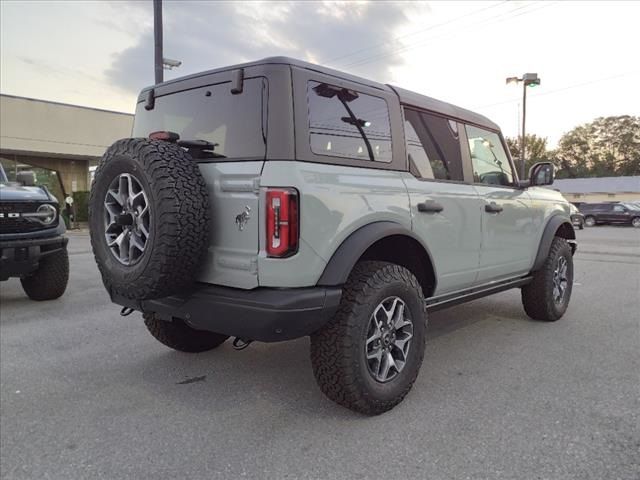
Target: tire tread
{"x":181,"y":210}
{"x":334,"y":364}
{"x":50,"y":280}
{"x":537,"y":297}
{"x":179,"y":336}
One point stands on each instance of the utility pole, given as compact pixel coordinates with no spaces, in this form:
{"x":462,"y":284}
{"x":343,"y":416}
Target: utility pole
{"x":524,"y":135}
{"x":157,"y":37}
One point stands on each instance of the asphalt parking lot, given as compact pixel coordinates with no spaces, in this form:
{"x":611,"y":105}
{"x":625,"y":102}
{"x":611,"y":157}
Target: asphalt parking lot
{"x":86,"y":393}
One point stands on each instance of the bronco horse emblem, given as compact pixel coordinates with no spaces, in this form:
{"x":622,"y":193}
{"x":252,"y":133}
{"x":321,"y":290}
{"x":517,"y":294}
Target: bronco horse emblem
{"x":243,"y":218}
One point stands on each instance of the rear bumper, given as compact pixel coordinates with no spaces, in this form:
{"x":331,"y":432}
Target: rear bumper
{"x":22,"y":257}
{"x":264,"y":314}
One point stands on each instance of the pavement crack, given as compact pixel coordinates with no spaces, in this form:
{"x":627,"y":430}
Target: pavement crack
{"x":192,"y":380}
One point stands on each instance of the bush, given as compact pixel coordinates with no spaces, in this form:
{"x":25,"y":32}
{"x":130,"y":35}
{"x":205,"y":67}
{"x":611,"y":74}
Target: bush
{"x":81,"y":204}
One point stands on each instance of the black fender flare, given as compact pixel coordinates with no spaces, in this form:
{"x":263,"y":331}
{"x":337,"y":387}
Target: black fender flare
{"x":349,"y":252}
{"x":554,"y":223}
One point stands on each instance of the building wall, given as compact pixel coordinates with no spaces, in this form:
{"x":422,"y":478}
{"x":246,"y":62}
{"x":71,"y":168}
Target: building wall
{"x":58,"y":137}
{"x":35,"y":127}
{"x":602,"y":197}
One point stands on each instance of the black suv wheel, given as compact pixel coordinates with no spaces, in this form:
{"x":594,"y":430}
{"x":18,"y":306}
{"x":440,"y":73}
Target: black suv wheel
{"x":369,"y":355}
{"x":50,"y":280}
{"x":547,"y":296}
{"x":178,"y":335}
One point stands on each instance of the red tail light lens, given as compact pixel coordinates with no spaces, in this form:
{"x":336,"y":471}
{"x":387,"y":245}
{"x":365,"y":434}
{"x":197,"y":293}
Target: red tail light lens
{"x":163,"y":135}
{"x":282,"y":222}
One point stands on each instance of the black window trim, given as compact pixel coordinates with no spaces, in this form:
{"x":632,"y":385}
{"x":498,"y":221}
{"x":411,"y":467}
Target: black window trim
{"x":265,"y":114}
{"x":514,"y":170}
{"x":467,"y":166}
{"x":460,"y":124}
{"x":303,"y":153}
{"x":373,"y":163}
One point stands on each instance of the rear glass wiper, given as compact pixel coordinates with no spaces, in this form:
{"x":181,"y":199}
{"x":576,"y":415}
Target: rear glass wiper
{"x":345,"y":96}
{"x":199,"y":149}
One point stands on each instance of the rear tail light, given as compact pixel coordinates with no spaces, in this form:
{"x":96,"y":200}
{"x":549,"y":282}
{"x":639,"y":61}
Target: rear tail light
{"x":282,"y":222}
{"x":165,"y":136}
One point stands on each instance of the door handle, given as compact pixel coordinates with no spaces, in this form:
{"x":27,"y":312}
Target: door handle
{"x":493,"y":207}
{"x":430,"y":206}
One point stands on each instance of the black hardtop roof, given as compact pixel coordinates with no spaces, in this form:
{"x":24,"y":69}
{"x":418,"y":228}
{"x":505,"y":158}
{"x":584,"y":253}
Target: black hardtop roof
{"x":406,"y":97}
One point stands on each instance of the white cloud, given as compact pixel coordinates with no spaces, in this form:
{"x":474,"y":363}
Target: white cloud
{"x":100,"y":53}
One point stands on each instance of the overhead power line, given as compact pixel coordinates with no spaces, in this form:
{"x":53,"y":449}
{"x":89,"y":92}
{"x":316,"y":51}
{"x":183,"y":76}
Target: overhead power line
{"x":501,"y":17}
{"x":562,"y":89}
{"x":417,"y":32}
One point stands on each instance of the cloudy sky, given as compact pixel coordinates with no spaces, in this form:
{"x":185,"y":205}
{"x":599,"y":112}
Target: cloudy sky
{"x":99,"y":53}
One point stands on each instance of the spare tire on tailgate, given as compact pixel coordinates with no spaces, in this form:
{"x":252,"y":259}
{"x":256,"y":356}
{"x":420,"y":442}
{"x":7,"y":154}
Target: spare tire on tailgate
{"x":148,"y":218}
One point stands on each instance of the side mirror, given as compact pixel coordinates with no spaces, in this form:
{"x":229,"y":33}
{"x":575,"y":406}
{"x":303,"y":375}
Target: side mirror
{"x":26,"y":178}
{"x":542,"y":173}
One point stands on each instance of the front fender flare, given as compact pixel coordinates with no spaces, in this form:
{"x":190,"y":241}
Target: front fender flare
{"x":554,"y":223}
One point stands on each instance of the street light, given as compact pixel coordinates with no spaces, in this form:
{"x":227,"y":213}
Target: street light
{"x":528,"y":80}
{"x":170,"y":64}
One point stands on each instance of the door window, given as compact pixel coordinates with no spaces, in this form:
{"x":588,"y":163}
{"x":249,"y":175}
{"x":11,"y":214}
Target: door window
{"x":433,"y":146}
{"x":346,"y":123}
{"x":488,"y":157}
{"x":619,"y":209}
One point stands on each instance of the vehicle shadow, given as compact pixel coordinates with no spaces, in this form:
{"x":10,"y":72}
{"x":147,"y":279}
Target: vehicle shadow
{"x":275,"y":378}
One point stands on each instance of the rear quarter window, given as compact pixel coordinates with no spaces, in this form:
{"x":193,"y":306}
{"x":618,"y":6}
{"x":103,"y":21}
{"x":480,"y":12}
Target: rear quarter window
{"x":349,"y":124}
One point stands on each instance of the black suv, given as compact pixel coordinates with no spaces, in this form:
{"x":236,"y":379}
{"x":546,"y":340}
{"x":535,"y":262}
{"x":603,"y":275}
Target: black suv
{"x":32,"y":242}
{"x":610,"y":213}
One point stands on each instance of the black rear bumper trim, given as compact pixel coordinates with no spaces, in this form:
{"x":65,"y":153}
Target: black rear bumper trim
{"x":263,"y":314}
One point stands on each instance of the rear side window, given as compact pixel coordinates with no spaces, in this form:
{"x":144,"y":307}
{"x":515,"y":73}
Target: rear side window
{"x":346,"y":123}
{"x":236,"y":123}
{"x":433,"y":145}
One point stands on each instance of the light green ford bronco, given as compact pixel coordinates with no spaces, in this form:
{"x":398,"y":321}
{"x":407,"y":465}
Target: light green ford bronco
{"x":279,"y":199}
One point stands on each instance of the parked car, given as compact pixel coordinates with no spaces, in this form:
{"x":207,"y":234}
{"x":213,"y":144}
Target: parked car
{"x":610,"y":213}
{"x":577,"y":219}
{"x":33,"y":246}
{"x":279,"y":199}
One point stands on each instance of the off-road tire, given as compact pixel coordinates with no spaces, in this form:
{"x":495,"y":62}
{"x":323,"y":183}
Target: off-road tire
{"x":179,"y":336}
{"x":537,"y":296}
{"x":50,"y":280}
{"x":590,"y":221}
{"x":179,"y":224}
{"x":337,"y":350}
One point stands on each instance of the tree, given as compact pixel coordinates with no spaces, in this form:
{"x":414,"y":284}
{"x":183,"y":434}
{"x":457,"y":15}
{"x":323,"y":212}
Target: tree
{"x":535,"y":150}
{"x":608,"y":146}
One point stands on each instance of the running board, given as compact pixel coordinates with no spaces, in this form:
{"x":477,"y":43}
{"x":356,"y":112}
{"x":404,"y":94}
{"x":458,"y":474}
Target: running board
{"x":463,"y":296}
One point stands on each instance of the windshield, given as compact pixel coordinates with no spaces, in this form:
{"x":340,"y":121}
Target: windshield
{"x":3,"y":176}
{"x":632,"y":206}
{"x":236,"y":123}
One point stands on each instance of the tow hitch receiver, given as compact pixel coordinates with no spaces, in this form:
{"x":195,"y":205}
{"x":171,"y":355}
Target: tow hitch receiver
{"x":241,"y":343}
